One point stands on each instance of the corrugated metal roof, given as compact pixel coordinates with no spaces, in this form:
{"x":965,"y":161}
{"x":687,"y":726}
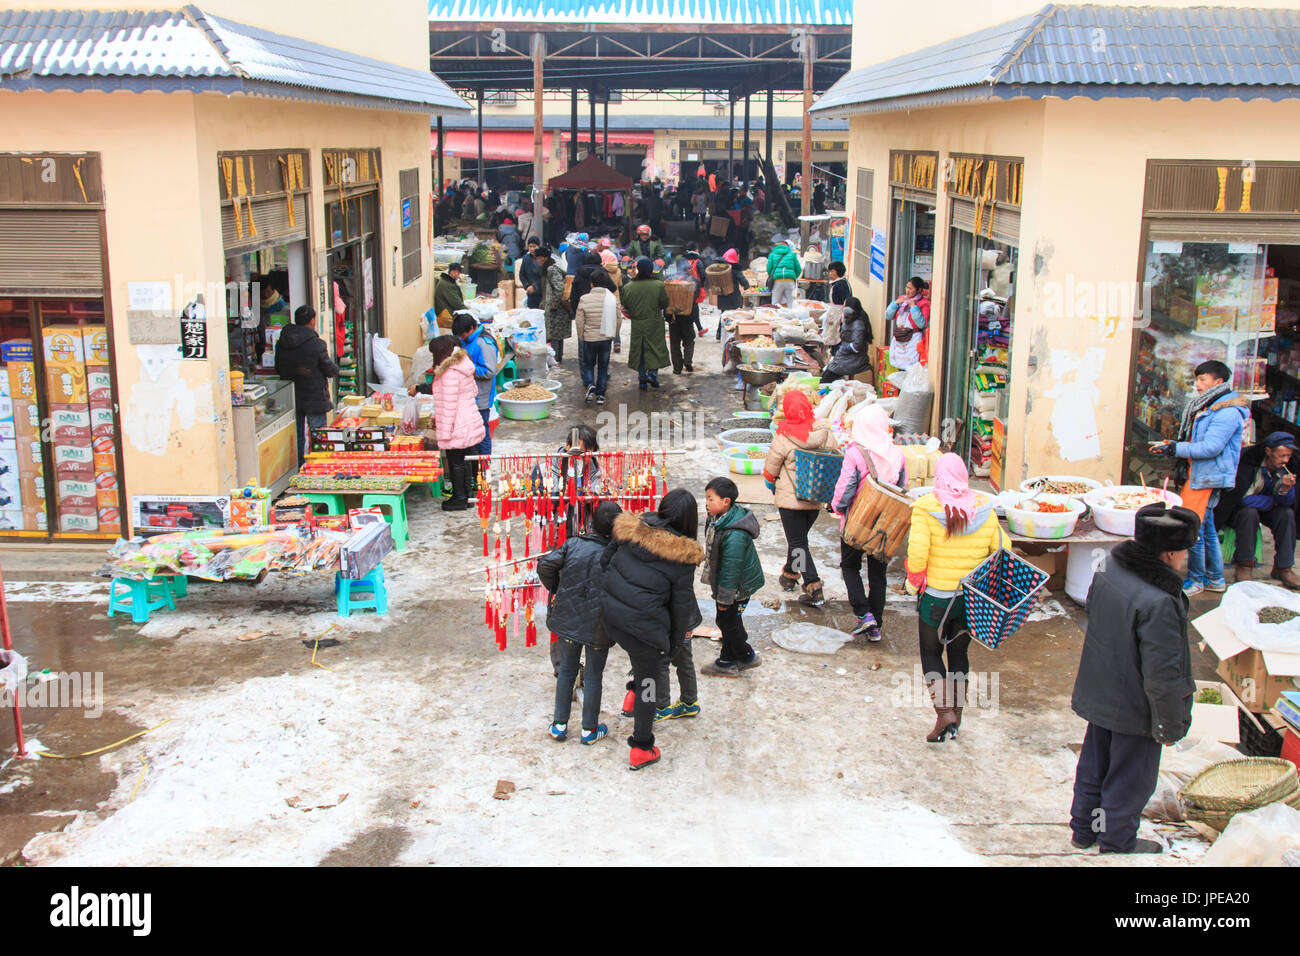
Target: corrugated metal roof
{"x":1094,"y":51}
{"x":43,"y":49}
{"x":792,"y":12}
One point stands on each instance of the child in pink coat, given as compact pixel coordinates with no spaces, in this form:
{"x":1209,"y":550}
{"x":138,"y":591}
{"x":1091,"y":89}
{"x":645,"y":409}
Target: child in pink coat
{"x":456,"y":416}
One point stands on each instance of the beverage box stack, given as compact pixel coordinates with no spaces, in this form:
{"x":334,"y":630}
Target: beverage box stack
{"x":82,"y":431}
{"x":20,"y":441}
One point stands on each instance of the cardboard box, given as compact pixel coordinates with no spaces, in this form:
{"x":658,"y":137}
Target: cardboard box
{"x":99,"y":385}
{"x":74,"y":461}
{"x":106,"y":481}
{"x":103,"y":461}
{"x":22,"y":383}
{"x":17,"y":350}
{"x":27,"y":422}
{"x":78,"y":523}
{"x":63,"y":345}
{"x":106,"y":499}
{"x":66,"y":385}
{"x":1217,"y":721}
{"x":32,"y":488}
{"x":1256,"y":677}
{"x":75,"y":491}
{"x":96,"y":345}
{"x":34,"y":518}
{"x":102,"y":423}
{"x":1051,"y":561}
{"x":70,"y":424}
{"x":12,"y":519}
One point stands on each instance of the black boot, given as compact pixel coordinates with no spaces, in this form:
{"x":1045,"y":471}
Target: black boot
{"x":459,"y":500}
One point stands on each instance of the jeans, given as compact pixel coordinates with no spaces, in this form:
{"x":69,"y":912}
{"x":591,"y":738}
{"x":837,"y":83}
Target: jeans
{"x":735,"y":640}
{"x":871,"y":599}
{"x":646,"y":376}
{"x":684,"y":662}
{"x":1116,"y":776}
{"x":783,"y":291}
{"x":798,"y":557}
{"x":681,"y":341}
{"x":1205,"y":557}
{"x":485,"y":446}
{"x":304,"y":434}
{"x":570,"y":655}
{"x":646,"y":664}
{"x":594,"y":360}
{"x":1281,"y":521}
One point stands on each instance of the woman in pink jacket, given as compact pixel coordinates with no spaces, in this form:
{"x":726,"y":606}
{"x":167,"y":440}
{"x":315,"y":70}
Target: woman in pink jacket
{"x":871,"y":453}
{"x":456,"y":416}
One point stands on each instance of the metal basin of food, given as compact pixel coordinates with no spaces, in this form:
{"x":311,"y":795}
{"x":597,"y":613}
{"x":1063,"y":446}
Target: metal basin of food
{"x":759,"y":377}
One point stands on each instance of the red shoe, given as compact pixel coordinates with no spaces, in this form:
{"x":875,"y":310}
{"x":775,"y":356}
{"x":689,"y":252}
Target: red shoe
{"x":642,"y":758}
{"x":629,"y":702}
{"x":703,"y":332}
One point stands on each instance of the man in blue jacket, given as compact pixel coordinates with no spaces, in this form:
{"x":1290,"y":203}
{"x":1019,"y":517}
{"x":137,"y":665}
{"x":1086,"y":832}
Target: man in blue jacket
{"x":484,"y":353}
{"x":1264,"y":494}
{"x":1209,"y":437}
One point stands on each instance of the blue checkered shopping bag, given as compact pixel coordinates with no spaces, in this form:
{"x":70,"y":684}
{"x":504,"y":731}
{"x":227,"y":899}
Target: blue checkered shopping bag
{"x":816,"y":474}
{"x":999,"y":596}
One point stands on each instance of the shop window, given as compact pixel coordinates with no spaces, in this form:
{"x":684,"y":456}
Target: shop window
{"x":913,"y":243}
{"x":409,"y":210}
{"x":862,"y":228}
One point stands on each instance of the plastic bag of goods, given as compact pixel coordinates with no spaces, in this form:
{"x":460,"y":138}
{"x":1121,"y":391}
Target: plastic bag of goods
{"x":806,"y":638}
{"x":1257,"y":838}
{"x":915,"y":399}
{"x":387,"y":366}
{"x":1263,"y":616}
{"x":1179,"y":764}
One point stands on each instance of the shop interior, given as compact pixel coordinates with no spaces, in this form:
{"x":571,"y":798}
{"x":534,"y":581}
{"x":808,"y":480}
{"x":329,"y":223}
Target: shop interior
{"x":59,"y":461}
{"x":353,"y":269}
{"x":913,"y":249}
{"x":1234,"y":302}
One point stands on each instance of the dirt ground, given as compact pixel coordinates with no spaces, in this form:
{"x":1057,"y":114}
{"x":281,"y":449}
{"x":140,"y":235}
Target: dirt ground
{"x":391,"y":751}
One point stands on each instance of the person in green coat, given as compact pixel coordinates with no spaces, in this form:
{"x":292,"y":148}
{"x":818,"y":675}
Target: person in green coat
{"x":644,"y":300}
{"x":652,"y":249}
{"x":733,"y":569}
{"x":447,"y":297}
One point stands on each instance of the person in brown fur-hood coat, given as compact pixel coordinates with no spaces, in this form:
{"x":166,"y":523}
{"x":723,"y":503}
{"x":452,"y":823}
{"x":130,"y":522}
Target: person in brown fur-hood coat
{"x":649,"y":605}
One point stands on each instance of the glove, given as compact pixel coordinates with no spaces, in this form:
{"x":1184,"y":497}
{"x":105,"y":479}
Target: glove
{"x":771,"y":485}
{"x":915,"y":582}
{"x":1167,"y":450}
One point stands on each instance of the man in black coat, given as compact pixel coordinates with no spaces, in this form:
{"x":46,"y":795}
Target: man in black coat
{"x":1264,"y":494}
{"x":1134,"y":686}
{"x":530,"y":275}
{"x":302,"y":357}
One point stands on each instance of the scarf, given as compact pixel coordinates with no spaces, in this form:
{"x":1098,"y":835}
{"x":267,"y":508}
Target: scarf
{"x":798,"y":416}
{"x":952,"y":486}
{"x":871,"y":432}
{"x":1199,"y":404}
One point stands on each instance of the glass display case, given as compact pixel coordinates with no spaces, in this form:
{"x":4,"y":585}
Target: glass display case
{"x":266,"y":448}
{"x":1206,"y":301}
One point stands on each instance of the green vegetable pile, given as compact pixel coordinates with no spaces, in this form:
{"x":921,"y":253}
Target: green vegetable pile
{"x":1276,"y":615}
{"x":1209,"y":696}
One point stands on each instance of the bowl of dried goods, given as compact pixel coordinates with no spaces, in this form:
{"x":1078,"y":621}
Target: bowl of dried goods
{"x":748,"y":460}
{"x":1045,"y":516}
{"x":759,"y":375}
{"x":528,"y":404}
{"x":1115,"y":508}
{"x":1072,"y":486}
{"x":760,"y":351}
{"x":745,"y":438}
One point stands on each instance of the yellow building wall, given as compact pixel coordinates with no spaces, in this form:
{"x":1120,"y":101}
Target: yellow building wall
{"x":1084,"y":177}
{"x":159,"y":158}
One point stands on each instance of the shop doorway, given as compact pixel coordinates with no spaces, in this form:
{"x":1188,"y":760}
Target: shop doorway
{"x":354,"y":270}
{"x":913,"y":238}
{"x":263,"y":287}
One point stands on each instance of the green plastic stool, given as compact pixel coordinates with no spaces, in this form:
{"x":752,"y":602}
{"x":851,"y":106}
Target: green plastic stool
{"x":332,"y":501}
{"x":139,"y":597}
{"x":1228,"y":545}
{"x":179,"y":584}
{"x":395,"y":515}
{"x":508,"y":373}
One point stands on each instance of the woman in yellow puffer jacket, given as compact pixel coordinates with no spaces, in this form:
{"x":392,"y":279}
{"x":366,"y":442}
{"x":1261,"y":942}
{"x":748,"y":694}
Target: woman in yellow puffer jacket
{"x":952,"y":533}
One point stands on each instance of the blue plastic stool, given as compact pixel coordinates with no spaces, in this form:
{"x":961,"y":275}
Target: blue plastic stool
{"x":179,"y":585}
{"x":139,"y":597}
{"x":347,"y":591}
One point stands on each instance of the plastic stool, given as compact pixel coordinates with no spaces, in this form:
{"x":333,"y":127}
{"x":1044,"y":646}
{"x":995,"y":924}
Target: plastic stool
{"x":395,"y":515}
{"x":332,"y":501}
{"x":347,"y":592}
{"x":139,"y":597}
{"x":508,"y":373}
{"x":179,"y":585}
{"x":1228,"y":545}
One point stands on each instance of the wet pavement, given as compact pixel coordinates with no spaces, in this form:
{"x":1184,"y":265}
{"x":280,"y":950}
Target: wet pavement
{"x":390,"y":752}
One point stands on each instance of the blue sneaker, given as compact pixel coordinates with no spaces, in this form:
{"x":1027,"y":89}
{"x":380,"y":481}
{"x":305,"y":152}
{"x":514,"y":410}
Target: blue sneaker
{"x":664,"y":713}
{"x":1217,"y":587}
{"x":559,"y":732}
{"x":1191,"y":588}
{"x":682,"y":709}
{"x":591,"y":736}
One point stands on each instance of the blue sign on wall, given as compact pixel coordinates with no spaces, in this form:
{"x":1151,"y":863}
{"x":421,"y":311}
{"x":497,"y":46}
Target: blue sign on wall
{"x":406,"y":213}
{"x":878,"y":253}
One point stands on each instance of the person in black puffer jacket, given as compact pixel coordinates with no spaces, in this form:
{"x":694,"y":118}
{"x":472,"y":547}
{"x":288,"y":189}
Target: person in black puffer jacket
{"x":649,"y":605}
{"x":854,"y":353}
{"x":302,"y":357}
{"x":573,"y":576}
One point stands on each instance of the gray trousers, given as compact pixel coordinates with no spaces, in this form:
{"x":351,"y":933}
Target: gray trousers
{"x":686,"y":678}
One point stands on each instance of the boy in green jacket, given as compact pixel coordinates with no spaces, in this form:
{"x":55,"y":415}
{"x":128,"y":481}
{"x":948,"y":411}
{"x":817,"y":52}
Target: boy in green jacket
{"x":734,"y":571}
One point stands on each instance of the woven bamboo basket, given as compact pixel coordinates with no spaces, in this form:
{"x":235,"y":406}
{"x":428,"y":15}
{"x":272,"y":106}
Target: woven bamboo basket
{"x":878,"y":520}
{"x":721,"y":279}
{"x":681,"y":296}
{"x":1234,"y":785}
{"x":1219,"y":819}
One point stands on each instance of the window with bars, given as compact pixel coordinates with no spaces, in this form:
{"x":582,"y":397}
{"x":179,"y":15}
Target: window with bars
{"x":862,"y":226}
{"x":409,"y":181}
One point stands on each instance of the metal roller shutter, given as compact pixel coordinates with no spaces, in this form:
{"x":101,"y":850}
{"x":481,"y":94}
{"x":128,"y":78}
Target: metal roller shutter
{"x":270,"y":217}
{"x":1006,"y":222}
{"x":51,"y":252}
{"x":910,"y":194}
{"x":1220,"y":229}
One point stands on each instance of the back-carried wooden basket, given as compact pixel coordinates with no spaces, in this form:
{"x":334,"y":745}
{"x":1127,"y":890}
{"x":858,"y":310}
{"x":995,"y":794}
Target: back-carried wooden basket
{"x":878,"y":520}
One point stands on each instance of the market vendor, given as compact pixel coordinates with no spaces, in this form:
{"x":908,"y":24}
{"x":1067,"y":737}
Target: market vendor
{"x":908,"y":317}
{"x":854,"y":354}
{"x":1264,"y":494}
{"x":644,"y":300}
{"x":447,"y":297}
{"x":302,"y":357}
{"x":644,"y":245}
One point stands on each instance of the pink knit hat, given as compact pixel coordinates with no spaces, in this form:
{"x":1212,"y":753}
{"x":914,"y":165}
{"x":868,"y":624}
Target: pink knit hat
{"x":608,"y":258}
{"x":732,"y":256}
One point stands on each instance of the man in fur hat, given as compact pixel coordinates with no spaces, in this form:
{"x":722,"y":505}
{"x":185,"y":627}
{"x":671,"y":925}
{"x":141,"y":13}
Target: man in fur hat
{"x":1134,"y":686}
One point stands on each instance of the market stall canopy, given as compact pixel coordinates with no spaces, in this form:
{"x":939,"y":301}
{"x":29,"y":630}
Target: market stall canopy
{"x":591,"y":173}
{"x":1149,"y":52}
{"x":188,"y":50}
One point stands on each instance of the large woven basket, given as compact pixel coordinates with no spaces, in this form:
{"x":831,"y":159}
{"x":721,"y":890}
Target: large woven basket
{"x":815,"y":475}
{"x":681,"y":296}
{"x":1219,"y":819}
{"x":1247,"y":784}
{"x":878,"y":520}
{"x":720,"y":278}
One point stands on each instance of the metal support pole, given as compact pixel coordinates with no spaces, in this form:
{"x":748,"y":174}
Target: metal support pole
{"x":539,"y":55}
{"x":744,"y":159}
{"x":731,"y":139}
{"x":591,"y":133}
{"x":607,"y":127}
{"x":806,"y":190}
{"x":768,"y":154}
{"x":481,"y":181}
{"x":573,"y":127}
{"x":442,"y":177}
